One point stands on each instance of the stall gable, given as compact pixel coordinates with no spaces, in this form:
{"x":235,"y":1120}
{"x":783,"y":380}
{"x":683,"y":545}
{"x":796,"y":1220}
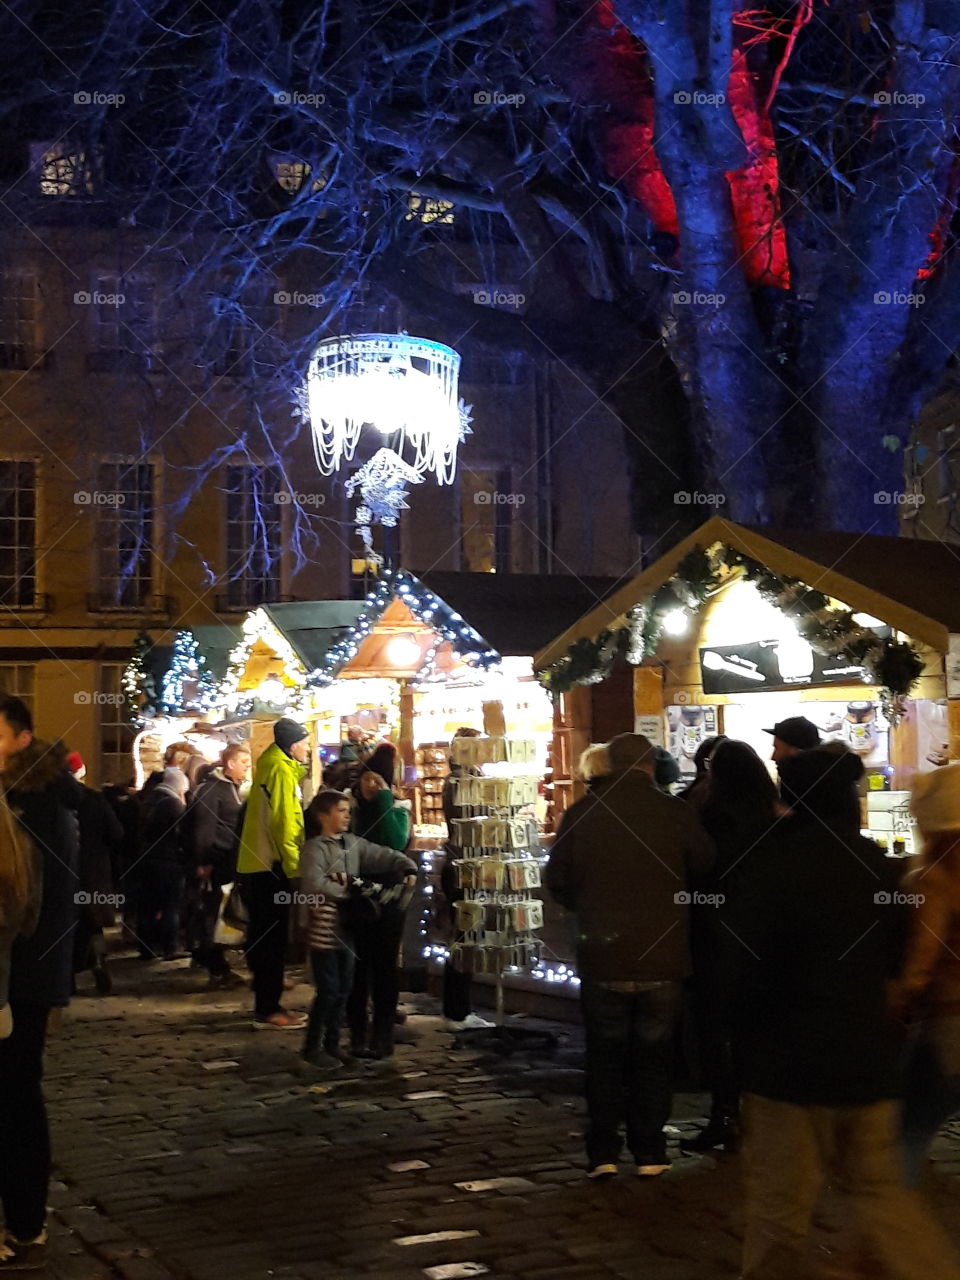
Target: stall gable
{"x":396,"y":647}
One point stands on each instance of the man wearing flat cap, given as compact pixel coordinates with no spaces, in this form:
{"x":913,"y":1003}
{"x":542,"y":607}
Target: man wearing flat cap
{"x":268,"y":860}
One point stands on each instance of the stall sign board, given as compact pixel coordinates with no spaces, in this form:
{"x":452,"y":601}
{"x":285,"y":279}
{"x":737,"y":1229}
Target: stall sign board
{"x":767,"y":664}
{"x":652,"y":729}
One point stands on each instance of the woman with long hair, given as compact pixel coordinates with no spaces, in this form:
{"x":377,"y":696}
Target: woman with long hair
{"x":739,"y":808}
{"x":928,"y":991}
{"x":20,"y":886}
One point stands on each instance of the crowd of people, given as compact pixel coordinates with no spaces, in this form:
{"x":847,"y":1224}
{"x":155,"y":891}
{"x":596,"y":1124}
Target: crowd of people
{"x":825,"y":984}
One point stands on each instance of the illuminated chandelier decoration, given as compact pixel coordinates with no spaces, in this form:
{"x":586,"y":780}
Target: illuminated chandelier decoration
{"x":405,"y":388}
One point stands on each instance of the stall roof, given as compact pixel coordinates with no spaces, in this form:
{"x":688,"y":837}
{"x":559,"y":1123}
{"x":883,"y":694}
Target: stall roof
{"x":912,"y":584}
{"x":518,"y":613}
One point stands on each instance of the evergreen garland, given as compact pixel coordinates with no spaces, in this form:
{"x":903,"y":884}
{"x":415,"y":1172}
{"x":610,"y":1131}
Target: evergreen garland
{"x":894,"y":665}
{"x":139,"y":682}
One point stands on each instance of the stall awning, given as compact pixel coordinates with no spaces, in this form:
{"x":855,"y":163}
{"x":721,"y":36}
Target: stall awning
{"x":913,"y":585}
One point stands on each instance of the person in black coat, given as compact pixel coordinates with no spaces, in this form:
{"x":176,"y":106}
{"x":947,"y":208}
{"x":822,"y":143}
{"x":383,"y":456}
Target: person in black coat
{"x":160,"y":869}
{"x":42,"y":798}
{"x":816,"y":931}
{"x":213,"y":820}
{"x":101,"y":836}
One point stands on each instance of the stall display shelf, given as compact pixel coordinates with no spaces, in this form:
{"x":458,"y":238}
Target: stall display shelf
{"x":498,"y":863}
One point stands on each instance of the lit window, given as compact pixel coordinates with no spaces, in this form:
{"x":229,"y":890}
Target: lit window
{"x":62,"y":169}
{"x":429,"y":211}
{"x":116,"y":731}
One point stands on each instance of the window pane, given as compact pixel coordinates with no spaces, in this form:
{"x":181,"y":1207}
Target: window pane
{"x":253,"y":535}
{"x":18,"y":533}
{"x":124,"y":499}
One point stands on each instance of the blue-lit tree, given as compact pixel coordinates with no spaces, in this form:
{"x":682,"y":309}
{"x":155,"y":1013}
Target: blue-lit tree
{"x":736,"y":225}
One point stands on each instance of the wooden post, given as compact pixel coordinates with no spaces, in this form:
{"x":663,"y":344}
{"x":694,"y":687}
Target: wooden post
{"x":406,"y":744}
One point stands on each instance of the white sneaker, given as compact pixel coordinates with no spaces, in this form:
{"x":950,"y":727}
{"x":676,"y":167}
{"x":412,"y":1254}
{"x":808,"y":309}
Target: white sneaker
{"x":472,"y":1022}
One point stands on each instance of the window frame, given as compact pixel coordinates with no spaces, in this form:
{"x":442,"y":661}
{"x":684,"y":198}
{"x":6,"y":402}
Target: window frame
{"x":22,"y":603}
{"x":246,"y":602}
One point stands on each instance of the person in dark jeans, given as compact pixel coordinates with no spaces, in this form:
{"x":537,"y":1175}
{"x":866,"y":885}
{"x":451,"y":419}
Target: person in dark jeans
{"x":213,"y":821}
{"x":267,"y":862}
{"x":331,"y":862}
{"x":160,"y":873}
{"x":624,"y":860}
{"x":43,"y":799}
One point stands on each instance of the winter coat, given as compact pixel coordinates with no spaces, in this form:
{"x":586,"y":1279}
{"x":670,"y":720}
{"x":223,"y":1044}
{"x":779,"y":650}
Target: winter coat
{"x":814,"y":934}
{"x":351,"y":858}
{"x":213,"y":820}
{"x":44,"y":799}
{"x":161,"y":835}
{"x":101,"y":836}
{"x":623,"y":860}
{"x":273,"y":822}
{"x":381,"y":821}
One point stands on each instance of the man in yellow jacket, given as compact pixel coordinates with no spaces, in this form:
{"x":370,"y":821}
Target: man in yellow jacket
{"x":268,"y":860}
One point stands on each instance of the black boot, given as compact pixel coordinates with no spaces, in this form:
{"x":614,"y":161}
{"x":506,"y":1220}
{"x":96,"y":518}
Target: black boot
{"x":721,"y":1133}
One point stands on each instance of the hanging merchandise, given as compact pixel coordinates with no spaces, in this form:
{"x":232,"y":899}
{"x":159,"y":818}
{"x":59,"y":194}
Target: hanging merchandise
{"x":499,"y":863}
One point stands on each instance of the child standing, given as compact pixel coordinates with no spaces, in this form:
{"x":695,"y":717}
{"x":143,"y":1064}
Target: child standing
{"x":331,"y":860}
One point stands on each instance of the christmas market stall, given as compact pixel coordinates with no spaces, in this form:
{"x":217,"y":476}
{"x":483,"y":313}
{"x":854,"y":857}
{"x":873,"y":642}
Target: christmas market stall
{"x":736,"y":629}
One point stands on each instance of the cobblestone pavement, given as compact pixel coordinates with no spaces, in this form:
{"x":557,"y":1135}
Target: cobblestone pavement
{"x":187,"y":1145}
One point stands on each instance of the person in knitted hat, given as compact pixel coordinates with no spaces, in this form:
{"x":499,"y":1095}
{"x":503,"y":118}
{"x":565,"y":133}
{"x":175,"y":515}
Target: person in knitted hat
{"x":267,"y":862}
{"x":929,"y":987}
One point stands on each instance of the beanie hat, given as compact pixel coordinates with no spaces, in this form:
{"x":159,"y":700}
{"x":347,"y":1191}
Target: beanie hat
{"x":348,"y":753}
{"x":286,"y":732}
{"x":627,"y":750}
{"x":935,"y":802}
{"x":822,"y":782}
{"x":175,"y":781}
{"x":74,"y":762}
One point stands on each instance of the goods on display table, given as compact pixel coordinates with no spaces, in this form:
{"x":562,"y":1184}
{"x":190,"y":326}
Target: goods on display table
{"x":430,"y":759}
{"x":498,"y":859}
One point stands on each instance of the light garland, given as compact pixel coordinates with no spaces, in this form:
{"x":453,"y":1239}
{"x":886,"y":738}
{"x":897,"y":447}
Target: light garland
{"x":139,"y":684}
{"x":425,"y":607}
{"x":187,"y":664}
{"x":259,"y":626}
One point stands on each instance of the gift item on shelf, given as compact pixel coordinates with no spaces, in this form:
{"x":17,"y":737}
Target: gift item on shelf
{"x":498,"y":750}
{"x":494,"y":793}
{"x":432,"y":768}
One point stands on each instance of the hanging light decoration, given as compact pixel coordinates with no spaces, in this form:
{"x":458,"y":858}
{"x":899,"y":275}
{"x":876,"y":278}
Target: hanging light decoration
{"x":406,"y":389}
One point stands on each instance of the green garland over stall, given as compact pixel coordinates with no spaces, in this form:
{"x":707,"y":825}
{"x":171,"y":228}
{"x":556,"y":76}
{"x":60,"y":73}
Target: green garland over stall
{"x":894,"y":665}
